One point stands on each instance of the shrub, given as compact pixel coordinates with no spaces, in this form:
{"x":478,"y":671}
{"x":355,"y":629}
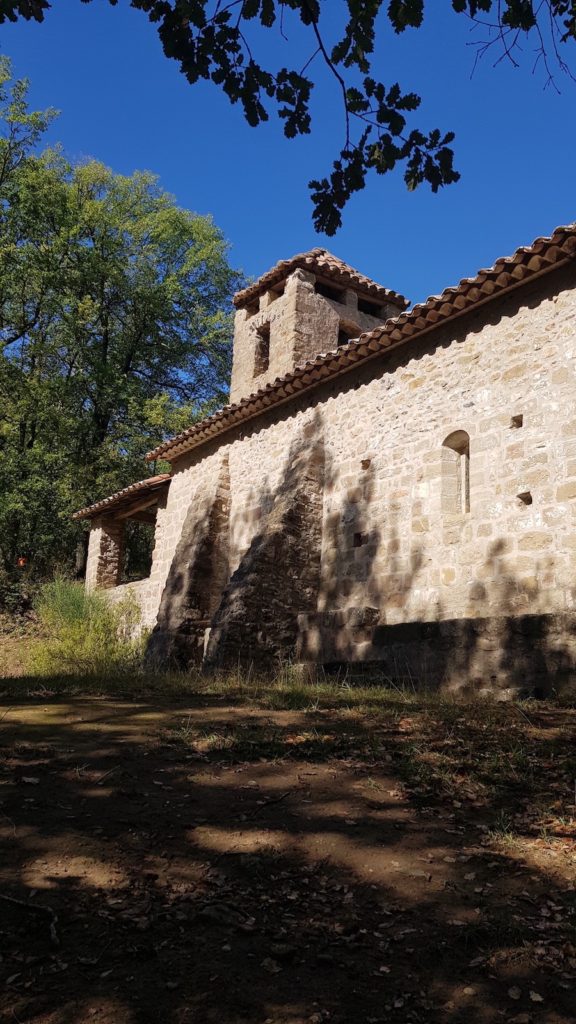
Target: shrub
{"x":16,"y":593}
{"x":83,"y":634}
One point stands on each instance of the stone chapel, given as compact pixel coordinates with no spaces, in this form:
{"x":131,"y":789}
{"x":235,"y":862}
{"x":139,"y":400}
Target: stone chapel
{"x":390,"y":492}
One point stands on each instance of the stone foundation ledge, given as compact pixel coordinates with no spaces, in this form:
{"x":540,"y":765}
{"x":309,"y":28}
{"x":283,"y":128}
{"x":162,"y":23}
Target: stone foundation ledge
{"x":507,"y":656}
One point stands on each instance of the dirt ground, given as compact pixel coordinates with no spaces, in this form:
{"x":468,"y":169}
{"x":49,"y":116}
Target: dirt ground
{"x":216,"y":862}
{"x":12,"y":651}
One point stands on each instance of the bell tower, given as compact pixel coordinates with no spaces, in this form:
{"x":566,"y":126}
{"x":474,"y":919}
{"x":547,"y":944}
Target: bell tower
{"x":304,"y":306}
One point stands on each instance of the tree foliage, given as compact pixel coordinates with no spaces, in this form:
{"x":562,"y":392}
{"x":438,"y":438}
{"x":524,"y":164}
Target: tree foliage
{"x":114,"y":330}
{"x":216,"y":40}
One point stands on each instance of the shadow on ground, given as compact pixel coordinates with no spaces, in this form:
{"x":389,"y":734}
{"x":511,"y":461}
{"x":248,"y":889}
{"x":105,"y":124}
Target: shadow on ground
{"x":219,"y":863}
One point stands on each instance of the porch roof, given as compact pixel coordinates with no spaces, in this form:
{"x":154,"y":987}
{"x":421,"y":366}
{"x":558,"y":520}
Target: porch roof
{"x":135,"y":497}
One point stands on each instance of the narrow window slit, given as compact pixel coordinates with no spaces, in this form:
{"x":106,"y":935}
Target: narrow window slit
{"x":262,"y":350}
{"x":456,"y":473}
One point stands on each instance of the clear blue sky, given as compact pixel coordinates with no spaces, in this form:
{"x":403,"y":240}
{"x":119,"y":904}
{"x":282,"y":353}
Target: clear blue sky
{"x":123,"y":102}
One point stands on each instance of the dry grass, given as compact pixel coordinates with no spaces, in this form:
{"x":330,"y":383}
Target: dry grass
{"x":15,"y":638}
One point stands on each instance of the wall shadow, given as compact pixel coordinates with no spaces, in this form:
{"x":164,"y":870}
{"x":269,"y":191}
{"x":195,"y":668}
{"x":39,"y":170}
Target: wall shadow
{"x":197,"y":575}
{"x":278,"y":577}
{"x":511,"y":652}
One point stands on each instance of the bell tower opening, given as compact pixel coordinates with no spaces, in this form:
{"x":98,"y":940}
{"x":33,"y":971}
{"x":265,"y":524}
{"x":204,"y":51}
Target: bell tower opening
{"x":262,"y":350}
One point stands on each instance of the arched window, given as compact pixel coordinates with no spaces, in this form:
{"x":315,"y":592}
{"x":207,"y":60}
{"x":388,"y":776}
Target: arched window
{"x":456,"y":472}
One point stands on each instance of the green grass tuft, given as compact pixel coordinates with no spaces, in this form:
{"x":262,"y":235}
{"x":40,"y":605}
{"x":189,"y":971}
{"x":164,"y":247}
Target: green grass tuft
{"x":84,"y":635}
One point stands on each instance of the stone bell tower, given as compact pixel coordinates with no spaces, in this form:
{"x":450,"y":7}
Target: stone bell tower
{"x":304,"y":306}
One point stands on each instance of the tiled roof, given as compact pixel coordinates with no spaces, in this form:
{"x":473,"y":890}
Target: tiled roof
{"x":326,"y":265}
{"x":527,"y":263}
{"x":125,"y":496}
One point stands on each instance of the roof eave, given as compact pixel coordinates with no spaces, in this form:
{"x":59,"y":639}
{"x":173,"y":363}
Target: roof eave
{"x":124,"y":498}
{"x":305,"y":261}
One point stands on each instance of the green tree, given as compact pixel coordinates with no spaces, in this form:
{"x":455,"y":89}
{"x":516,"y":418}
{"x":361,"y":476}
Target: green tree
{"x":219,"y":40}
{"x":115,"y":329}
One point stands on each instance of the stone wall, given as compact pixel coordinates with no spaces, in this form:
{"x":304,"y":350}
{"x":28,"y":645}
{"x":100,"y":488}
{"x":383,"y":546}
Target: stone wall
{"x":392,"y":543}
{"x":138,"y":591}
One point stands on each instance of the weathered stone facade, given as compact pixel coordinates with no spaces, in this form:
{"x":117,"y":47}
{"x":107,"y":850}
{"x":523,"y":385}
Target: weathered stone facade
{"x":414,"y":514}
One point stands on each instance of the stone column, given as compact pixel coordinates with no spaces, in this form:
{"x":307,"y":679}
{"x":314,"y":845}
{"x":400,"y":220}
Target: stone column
{"x":351,"y":299}
{"x":105,"y":552}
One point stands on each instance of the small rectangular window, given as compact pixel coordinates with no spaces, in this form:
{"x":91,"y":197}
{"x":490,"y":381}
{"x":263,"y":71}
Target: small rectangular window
{"x":262,"y":350}
{"x":336,"y":294}
{"x":371,"y":308}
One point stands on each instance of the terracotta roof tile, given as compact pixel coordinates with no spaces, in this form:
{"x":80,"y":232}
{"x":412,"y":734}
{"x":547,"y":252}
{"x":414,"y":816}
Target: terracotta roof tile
{"x":123,"y":497}
{"x":325,"y":264}
{"x":510,"y":272}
